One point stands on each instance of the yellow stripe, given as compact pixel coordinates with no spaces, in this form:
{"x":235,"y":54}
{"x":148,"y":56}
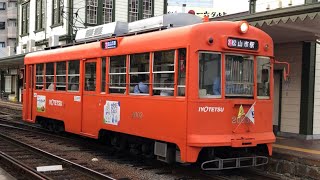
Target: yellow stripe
{"x":297,"y":149}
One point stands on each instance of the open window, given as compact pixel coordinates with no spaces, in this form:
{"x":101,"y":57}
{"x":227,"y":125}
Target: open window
{"x":49,"y":76}
{"x":73,"y":75}
{"x":163,"y":73}
{"x":39,"y":76}
{"x":117,"y":74}
{"x":61,"y":76}
{"x":139,"y":73}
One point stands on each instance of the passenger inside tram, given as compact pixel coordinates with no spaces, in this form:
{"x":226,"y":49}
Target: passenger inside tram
{"x":168,"y":83}
{"x":90,"y":85}
{"x":142,"y":86}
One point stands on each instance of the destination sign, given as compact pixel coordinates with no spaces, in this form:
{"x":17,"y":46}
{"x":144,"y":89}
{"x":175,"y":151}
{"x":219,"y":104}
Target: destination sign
{"x":110,"y":44}
{"x":242,"y":43}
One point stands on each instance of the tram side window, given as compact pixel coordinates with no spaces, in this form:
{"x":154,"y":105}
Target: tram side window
{"x":39,"y":76}
{"x":139,"y":73}
{"x":209,"y":75}
{"x":61,"y":76}
{"x":90,"y":76}
{"x":163,"y":73}
{"x":182,"y":54}
{"x":117,"y":74}
{"x":103,"y":75}
{"x":73,"y":75}
{"x":49,"y":77}
{"x":263,"y":76}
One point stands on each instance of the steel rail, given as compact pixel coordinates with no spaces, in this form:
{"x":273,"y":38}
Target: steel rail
{"x":30,"y":173}
{"x":80,"y":168}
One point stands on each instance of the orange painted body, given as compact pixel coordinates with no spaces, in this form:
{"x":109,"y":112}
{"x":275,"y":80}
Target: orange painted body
{"x":174,"y":119}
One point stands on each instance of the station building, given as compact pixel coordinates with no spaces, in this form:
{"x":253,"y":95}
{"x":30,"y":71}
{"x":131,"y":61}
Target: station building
{"x":45,"y":24}
{"x":295,"y":29}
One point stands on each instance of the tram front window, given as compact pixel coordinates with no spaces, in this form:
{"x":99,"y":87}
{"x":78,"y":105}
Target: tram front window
{"x":209,"y":75}
{"x":239,"y":76}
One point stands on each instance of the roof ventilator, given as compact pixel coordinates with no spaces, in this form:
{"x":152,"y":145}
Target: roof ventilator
{"x":138,"y":27}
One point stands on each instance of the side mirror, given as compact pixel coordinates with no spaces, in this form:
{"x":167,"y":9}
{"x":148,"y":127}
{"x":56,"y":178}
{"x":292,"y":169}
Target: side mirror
{"x":285,"y":72}
{"x":285,"y":75}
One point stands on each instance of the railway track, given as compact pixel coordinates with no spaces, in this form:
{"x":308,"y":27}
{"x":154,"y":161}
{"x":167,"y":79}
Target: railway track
{"x":27,"y":158}
{"x":121,"y":163}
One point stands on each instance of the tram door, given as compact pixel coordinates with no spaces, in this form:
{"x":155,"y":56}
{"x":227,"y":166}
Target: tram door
{"x":29,"y":92}
{"x":90,"y":98}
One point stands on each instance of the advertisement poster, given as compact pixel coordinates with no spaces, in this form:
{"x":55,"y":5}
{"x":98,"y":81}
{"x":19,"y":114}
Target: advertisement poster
{"x":112,"y":112}
{"x":41,"y":103}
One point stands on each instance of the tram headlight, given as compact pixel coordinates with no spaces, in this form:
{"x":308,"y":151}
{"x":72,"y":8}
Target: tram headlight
{"x":243,"y":26}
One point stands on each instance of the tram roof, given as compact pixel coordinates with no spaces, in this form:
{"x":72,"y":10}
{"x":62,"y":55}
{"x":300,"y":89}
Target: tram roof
{"x":148,"y":42}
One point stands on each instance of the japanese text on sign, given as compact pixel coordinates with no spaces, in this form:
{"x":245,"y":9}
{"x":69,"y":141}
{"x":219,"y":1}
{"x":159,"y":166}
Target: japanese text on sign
{"x":243,"y":44}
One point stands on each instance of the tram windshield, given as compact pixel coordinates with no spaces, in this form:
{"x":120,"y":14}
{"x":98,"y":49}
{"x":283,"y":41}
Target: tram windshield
{"x":239,"y":72}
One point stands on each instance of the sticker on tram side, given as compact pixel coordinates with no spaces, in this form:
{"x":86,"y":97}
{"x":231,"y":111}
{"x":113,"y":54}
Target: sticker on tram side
{"x":210,"y":109}
{"x":53,"y":102}
{"x":111,"y":112}
{"x":77,"y":98}
{"x":41,"y":103}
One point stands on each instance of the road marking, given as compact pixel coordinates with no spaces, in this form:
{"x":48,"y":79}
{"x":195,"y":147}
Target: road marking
{"x":297,"y":149}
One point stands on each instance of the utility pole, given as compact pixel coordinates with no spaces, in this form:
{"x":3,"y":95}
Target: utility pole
{"x":252,"y":6}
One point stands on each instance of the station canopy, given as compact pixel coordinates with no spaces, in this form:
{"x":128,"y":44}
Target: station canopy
{"x":292,"y":24}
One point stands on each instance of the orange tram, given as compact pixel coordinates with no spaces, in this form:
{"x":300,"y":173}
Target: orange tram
{"x":197,"y":93}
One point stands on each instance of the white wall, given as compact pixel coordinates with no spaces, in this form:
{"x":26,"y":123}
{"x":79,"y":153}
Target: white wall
{"x":121,"y":14}
{"x":121,"y":10}
{"x":80,"y":7}
{"x":158,"y":7}
{"x":60,"y":30}
{"x":316,"y":112}
{"x":291,"y":92}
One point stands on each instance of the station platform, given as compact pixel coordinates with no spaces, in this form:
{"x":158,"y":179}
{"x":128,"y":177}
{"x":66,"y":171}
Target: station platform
{"x":5,"y":176}
{"x":294,"y":157}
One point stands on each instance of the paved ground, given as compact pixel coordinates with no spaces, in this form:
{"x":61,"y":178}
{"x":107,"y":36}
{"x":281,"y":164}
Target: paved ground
{"x":5,"y":176}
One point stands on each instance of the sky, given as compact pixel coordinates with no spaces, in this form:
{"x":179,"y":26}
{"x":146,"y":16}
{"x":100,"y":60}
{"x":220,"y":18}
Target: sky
{"x":220,"y":5}
{"x":233,"y":6}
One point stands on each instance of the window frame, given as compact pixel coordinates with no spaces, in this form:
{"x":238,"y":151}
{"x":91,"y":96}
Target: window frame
{"x":68,"y":77}
{"x":49,"y":75}
{"x":104,"y":11}
{"x":100,"y":10}
{"x":4,"y":7}
{"x":36,"y":75}
{"x":25,"y":16}
{"x":40,"y":15}
{"x":269,"y":76}
{"x":57,"y":10}
{"x":140,"y":10}
{"x":2,"y":44}
{"x":56,"y":75}
{"x":137,"y":73}
{"x":253,"y":83}
{"x":108,"y":65}
{"x":221,"y":74}
{"x":178,"y":74}
{"x":165,"y":72}
{"x":3,"y":24}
